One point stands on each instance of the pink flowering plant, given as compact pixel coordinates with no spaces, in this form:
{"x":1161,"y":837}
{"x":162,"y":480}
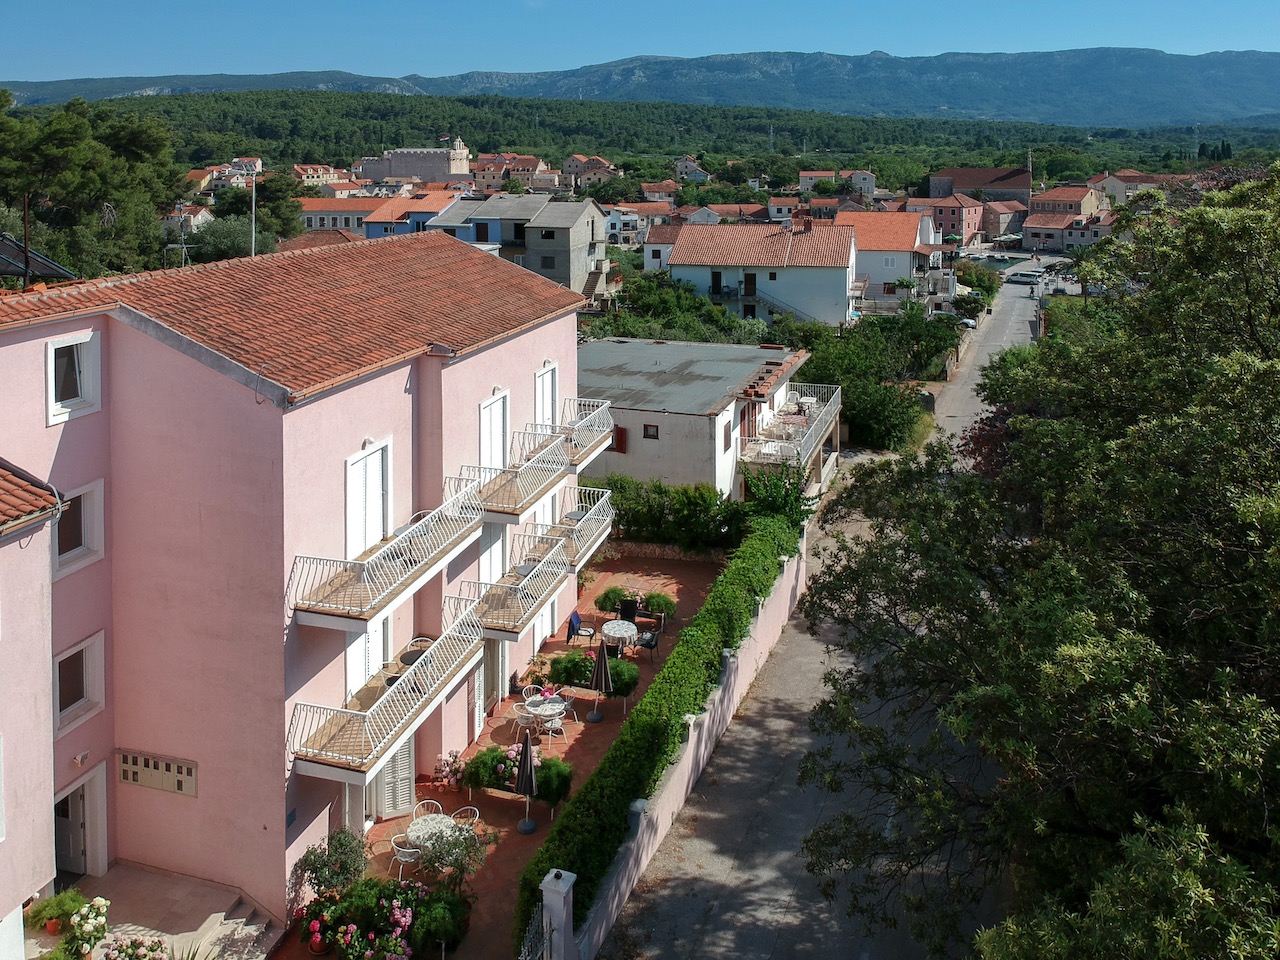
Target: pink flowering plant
{"x":119,"y":947}
{"x":449,"y":769}
{"x":376,"y":919}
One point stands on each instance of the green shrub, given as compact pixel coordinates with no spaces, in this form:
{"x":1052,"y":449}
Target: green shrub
{"x":555,"y":780}
{"x":482,"y":770}
{"x":572,"y":669}
{"x":658,"y":602}
{"x":442,"y":919}
{"x":691,"y":517}
{"x":609,"y":598}
{"x":625,"y":676}
{"x":60,"y":906}
{"x":331,"y":866}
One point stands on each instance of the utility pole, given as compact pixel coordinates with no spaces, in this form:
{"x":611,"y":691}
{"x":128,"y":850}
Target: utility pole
{"x":253,"y":215}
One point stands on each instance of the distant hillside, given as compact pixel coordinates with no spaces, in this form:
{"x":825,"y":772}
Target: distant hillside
{"x":1107,"y":87}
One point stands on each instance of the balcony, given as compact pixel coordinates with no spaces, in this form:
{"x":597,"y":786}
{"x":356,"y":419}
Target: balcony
{"x":365,"y":586}
{"x":357,"y":734}
{"x":587,"y":427}
{"x":797,"y":429}
{"x":585,"y":523}
{"x":507,"y":493}
{"x":540,"y":569}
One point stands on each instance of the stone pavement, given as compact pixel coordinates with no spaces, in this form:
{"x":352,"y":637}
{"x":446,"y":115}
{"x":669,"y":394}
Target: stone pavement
{"x":728,"y":881}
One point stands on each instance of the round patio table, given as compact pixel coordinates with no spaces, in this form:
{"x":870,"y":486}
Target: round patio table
{"x":410,"y":657}
{"x":544,"y":708}
{"x":424,"y":831}
{"x":619,"y":633}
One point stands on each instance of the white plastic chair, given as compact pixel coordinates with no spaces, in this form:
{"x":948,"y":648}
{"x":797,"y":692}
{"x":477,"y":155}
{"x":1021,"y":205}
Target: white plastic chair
{"x":532,"y":690}
{"x":524,"y":717}
{"x":568,"y":705}
{"x":466,"y":816}
{"x":405,"y":854}
{"x":425,"y":807}
{"x":553,"y":725}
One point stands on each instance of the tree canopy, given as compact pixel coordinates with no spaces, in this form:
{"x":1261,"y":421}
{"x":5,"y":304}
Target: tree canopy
{"x":1065,"y":625}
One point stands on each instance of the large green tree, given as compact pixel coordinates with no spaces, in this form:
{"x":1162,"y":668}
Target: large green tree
{"x":1065,"y":628}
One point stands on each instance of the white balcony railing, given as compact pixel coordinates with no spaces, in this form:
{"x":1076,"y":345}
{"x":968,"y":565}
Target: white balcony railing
{"x":540,"y":459}
{"x":801,"y":424}
{"x":355,"y":587}
{"x":510,"y":604}
{"x":352,"y":737}
{"x":584,"y":424}
{"x":586,"y":519}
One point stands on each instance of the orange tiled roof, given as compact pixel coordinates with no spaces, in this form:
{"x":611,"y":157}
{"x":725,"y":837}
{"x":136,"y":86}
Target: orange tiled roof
{"x":662,"y":233}
{"x":662,"y":186}
{"x":1067,"y":194}
{"x":651,"y":208}
{"x":24,"y":500}
{"x":319,"y":238}
{"x":399,"y":208}
{"x":1056,"y":221}
{"x":313,"y":319}
{"x":739,"y":210}
{"x":761,"y":245}
{"x":883,"y":231}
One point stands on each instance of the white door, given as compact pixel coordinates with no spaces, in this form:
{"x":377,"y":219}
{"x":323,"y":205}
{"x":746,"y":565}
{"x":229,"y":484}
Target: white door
{"x":544,"y":396}
{"x":493,"y":432}
{"x":366,"y":501}
{"x":493,"y":552}
{"x":68,"y":832}
{"x":477,"y":683}
{"x":366,"y":654}
{"x":393,"y":793}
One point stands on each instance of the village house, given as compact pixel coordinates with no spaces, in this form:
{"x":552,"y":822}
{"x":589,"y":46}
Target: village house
{"x":1066,"y":217}
{"x":982,"y":183}
{"x":954,"y":216}
{"x":317,"y":174}
{"x":284,"y":530}
{"x":407,"y":214}
{"x":899,"y":246}
{"x":688,"y":168}
{"x":689,"y":413}
{"x":325,"y":213}
{"x":663,"y":190}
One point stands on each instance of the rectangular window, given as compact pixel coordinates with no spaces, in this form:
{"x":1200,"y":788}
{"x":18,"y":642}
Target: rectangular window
{"x":78,"y":684}
{"x":656,"y":255}
{"x":387,"y":229}
{"x":346,"y":221}
{"x":728,"y":435}
{"x":548,"y":234}
{"x":78,"y":535}
{"x":773,"y":275}
{"x":619,"y":439}
{"x":71,"y":528}
{"x":359,"y":221}
{"x":321,"y":221}
{"x":548,"y":263}
{"x":310,"y":222}
{"x":651,"y":431}
{"x":72,"y":376}
{"x":891,"y":263}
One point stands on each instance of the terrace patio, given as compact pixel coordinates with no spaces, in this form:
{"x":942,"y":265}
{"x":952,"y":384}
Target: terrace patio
{"x":493,"y":916}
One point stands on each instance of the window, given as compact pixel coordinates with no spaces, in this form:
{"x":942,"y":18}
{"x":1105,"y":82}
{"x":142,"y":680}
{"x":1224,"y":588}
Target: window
{"x":388,"y":228}
{"x":891,"y":263}
{"x":728,"y":435}
{"x":619,"y":439}
{"x":78,"y":686}
{"x":548,"y":234}
{"x":78,"y":536}
{"x":321,"y":221}
{"x":346,"y":221}
{"x":773,"y":275}
{"x":359,"y":221}
{"x":72,"y":376}
{"x":311,"y":222}
{"x":651,"y":431}
{"x":656,"y":255}
{"x":548,"y":263}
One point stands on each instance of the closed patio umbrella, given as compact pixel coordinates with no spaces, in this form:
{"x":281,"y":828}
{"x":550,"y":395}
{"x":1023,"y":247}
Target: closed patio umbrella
{"x":526,"y":783}
{"x":601,"y":681}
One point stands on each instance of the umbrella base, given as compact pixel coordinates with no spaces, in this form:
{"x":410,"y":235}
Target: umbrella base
{"x":527,"y":826}
{"x":595,"y":716}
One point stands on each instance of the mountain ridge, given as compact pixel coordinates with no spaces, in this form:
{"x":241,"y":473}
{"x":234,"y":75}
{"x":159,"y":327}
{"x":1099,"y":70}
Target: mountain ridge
{"x":1098,"y":86}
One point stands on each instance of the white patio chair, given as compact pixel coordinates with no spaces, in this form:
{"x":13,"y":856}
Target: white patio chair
{"x":568,"y":704}
{"x":525,"y":718}
{"x":405,"y":855}
{"x":466,"y":816}
{"x":426,"y":807}
{"x":532,"y":690}
{"x":553,"y":725}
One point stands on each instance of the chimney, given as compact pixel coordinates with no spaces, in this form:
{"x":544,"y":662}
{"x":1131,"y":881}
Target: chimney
{"x":808,"y":224}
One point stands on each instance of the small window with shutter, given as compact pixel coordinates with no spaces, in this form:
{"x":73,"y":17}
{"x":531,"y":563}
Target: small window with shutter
{"x":619,"y":439}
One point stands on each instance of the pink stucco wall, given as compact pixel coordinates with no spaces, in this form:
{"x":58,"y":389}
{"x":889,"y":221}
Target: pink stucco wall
{"x":196,"y":478}
{"x":26,"y":718}
{"x":736,"y":677}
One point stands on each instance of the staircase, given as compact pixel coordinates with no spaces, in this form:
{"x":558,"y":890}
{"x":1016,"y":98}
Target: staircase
{"x":595,"y":279}
{"x":244,"y":933}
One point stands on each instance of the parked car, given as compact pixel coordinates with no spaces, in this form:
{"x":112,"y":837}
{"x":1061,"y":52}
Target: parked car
{"x":956,"y":318}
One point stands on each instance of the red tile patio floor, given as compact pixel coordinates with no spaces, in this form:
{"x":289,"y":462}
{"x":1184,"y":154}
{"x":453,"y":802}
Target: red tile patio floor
{"x":493,"y":916}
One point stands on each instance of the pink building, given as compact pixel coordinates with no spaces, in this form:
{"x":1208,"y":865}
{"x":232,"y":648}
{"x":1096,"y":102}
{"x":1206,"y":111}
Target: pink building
{"x":27,"y":508}
{"x":320,"y":507}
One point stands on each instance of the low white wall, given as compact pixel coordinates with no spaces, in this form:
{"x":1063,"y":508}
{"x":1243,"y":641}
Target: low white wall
{"x":737,"y":673}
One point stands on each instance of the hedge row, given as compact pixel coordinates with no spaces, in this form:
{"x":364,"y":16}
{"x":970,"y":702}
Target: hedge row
{"x":586,"y":836}
{"x":691,"y":517}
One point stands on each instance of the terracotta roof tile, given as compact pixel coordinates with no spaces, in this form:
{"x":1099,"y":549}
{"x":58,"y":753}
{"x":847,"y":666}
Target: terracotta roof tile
{"x":761,"y":245}
{"x":315,"y":318}
{"x":1009,"y":178}
{"x":1057,"y":221}
{"x":662,"y":233}
{"x":319,"y":238}
{"x":883,"y":231}
{"x":1068,"y":194}
{"x":399,"y":208}
{"x":24,"y":500}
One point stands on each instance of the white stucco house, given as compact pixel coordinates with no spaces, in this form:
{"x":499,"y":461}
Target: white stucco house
{"x":893,"y":246}
{"x":768,"y":269}
{"x":689,"y":413}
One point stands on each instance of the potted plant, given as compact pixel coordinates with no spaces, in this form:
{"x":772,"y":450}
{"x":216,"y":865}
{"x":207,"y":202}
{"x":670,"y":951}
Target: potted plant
{"x":555,"y":780}
{"x":659,"y":606}
{"x":625,"y":676}
{"x":610,"y":598}
{"x":53,"y":912}
{"x":448,"y":772}
{"x":573,"y":669}
{"x":332,"y":866}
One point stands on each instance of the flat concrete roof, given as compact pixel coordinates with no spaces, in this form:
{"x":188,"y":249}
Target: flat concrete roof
{"x":700,"y":379}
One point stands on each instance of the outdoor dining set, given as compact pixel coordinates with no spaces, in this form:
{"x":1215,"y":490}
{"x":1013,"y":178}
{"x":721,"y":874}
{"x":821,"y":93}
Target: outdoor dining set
{"x":430,"y":825}
{"x":544,"y":710}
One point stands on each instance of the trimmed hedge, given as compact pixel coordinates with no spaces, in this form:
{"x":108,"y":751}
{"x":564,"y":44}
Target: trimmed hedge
{"x":690,"y":517}
{"x":587,"y":834}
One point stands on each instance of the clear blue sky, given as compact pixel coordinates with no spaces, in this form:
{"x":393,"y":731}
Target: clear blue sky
{"x":68,"y":39}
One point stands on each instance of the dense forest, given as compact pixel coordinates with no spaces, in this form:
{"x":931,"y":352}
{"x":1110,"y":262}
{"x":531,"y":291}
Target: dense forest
{"x":99,"y":175}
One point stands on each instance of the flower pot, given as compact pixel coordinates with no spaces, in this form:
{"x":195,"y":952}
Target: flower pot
{"x":53,"y":926}
{"x":319,"y":951}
